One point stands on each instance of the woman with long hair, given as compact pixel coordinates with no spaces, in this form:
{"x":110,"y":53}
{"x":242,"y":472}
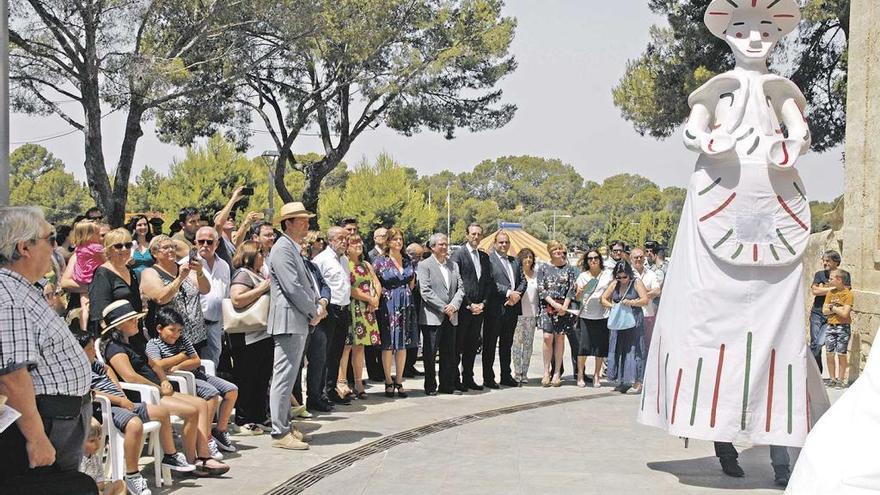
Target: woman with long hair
{"x":365,"y":298}
{"x":524,"y":334}
{"x":593,"y":317}
{"x":398,"y":320}
{"x":255,"y":368}
{"x":141,"y":235}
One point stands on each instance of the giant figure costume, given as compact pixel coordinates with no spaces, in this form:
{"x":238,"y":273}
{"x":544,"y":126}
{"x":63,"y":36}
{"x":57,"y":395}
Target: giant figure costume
{"x":728,"y":360}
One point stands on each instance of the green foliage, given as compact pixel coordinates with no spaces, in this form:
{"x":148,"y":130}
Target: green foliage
{"x":143,"y":195}
{"x":681,"y":56}
{"x":38,"y":178}
{"x":382,"y":194}
{"x":820,"y":220}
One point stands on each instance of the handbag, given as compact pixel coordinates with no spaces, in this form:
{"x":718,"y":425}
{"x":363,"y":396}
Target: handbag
{"x":250,"y":319}
{"x":621,"y":317}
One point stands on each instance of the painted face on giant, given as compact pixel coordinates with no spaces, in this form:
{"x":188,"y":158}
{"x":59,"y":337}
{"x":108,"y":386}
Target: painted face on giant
{"x":752,"y":27}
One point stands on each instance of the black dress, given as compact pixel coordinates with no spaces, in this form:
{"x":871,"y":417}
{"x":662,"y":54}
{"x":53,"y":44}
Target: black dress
{"x":107,"y":287}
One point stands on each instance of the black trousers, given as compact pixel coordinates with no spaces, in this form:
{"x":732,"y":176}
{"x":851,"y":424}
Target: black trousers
{"x":778,"y":454}
{"x":440,"y":338}
{"x":467,"y":341}
{"x":254,"y":371}
{"x":373,"y":359}
{"x":337,"y":322}
{"x":316,"y":370}
{"x":497,"y":332}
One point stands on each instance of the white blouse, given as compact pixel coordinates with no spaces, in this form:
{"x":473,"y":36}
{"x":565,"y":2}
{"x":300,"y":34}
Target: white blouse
{"x":591,"y":307}
{"x":530,"y":298}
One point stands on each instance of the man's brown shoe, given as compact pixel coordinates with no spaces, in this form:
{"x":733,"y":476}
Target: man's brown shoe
{"x":290,"y":442}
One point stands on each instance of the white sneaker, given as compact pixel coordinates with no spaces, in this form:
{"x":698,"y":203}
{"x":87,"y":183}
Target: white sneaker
{"x":136,"y":485}
{"x":215,"y":452}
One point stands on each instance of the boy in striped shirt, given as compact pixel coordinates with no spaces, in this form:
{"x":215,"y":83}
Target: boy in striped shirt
{"x":174,"y":352}
{"x":129,"y":418}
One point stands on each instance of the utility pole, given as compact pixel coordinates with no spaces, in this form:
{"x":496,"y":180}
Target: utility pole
{"x":448,"y":214}
{"x":4,"y":103}
{"x":273,"y":154}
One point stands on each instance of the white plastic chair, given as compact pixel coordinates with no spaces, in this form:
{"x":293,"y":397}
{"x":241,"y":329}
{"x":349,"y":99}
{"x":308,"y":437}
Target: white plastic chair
{"x":116,"y":444}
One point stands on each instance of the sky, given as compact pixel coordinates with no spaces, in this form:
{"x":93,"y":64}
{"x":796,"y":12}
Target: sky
{"x":570,"y":55}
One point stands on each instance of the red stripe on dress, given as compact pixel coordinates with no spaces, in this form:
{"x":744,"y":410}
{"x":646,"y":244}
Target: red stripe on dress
{"x":675,"y":397}
{"x":718,"y":210}
{"x":755,"y":252}
{"x":809,"y":421}
{"x":790,"y":213}
{"x":717,"y":385}
{"x":770,"y":389}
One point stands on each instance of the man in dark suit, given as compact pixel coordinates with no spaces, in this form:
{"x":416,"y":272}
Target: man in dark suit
{"x":502,"y":309}
{"x":476,"y":276}
{"x":372,"y":353}
{"x":441,"y":294}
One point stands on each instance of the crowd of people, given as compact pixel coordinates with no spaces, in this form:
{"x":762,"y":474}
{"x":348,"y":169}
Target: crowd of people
{"x":248,"y":310}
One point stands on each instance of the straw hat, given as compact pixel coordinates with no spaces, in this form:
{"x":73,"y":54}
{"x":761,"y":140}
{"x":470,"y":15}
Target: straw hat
{"x":117,"y":313}
{"x":784,"y":14}
{"x":293,"y":210}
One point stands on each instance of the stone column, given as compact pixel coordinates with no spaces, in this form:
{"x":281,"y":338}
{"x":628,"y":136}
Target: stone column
{"x":861,"y":228}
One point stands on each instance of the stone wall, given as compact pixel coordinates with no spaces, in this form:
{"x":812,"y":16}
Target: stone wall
{"x":861,"y":227}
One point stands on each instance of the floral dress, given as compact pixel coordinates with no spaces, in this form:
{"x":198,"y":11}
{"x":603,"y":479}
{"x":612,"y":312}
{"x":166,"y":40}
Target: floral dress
{"x":558,"y":282}
{"x":364,"y":328}
{"x":398,"y":321}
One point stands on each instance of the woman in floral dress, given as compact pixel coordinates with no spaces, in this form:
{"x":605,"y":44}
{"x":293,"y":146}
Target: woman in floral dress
{"x":398,"y":321}
{"x":556,"y":290}
{"x":364,"y":330}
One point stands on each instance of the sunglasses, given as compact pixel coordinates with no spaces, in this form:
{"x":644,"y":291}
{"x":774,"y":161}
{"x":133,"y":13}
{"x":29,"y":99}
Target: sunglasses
{"x":99,"y":217}
{"x":123,"y":245}
{"x":205,"y":242}
{"x":594,"y":258}
{"x":617,"y":250}
{"x":621,"y":277}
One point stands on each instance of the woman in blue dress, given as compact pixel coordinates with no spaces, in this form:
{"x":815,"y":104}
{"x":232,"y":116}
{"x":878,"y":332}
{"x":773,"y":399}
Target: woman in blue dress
{"x":629,"y":346}
{"x":141,"y":259}
{"x":398,"y":321}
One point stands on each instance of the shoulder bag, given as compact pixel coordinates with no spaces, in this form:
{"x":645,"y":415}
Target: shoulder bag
{"x":621,"y":317}
{"x":251,"y":319}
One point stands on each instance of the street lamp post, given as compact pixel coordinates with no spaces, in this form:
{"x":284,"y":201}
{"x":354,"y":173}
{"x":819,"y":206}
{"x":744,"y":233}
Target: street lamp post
{"x":4,"y":103}
{"x":555,"y":216}
{"x":273,"y":154}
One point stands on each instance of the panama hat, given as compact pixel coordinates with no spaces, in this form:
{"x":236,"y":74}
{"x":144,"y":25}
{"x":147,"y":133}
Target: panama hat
{"x":117,"y":313}
{"x":293,"y":210}
{"x":784,"y":14}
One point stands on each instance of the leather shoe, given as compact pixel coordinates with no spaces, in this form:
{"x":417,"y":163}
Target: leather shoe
{"x":731,"y":467}
{"x":461,"y":387}
{"x":473,"y":386}
{"x":491,"y":384}
{"x":781,"y":475}
{"x":509,"y":382}
{"x":319,"y":405}
{"x":431,"y":392}
{"x":334,"y":397}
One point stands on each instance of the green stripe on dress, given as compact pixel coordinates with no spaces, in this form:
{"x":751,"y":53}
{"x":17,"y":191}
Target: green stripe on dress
{"x":710,"y":187}
{"x":773,"y":252}
{"x":738,"y":251}
{"x":789,"y":399}
{"x":723,"y":239}
{"x":696,"y":391}
{"x":745,"y":402}
{"x":785,"y":241}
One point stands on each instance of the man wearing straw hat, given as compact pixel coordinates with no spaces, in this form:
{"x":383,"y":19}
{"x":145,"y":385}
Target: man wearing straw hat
{"x":295,"y":307}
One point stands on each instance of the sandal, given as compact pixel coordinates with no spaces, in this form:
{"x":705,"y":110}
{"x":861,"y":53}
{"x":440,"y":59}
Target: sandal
{"x":400,"y":391}
{"x":342,"y":389}
{"x":545,"y":382}
{"x":204,"y":469}
{"x":389,"y":390}
{"x":361,"y":395}
{"x":556,"y":381}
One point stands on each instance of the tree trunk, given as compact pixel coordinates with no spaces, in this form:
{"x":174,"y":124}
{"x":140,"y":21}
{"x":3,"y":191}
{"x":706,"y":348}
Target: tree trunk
{"x":315,"y":173}
{"x":133,"y":133}
{"x":96,"y":173}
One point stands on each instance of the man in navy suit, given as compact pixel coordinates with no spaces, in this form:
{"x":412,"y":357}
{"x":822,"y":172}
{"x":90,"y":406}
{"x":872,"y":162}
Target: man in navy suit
{"x":502,"y":310}
{"x":476,"y":274}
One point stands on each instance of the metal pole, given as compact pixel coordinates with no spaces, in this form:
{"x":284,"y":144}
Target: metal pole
{"x":448,"y":214}
{"x":4,"y":103}
{"x":272,"y":192}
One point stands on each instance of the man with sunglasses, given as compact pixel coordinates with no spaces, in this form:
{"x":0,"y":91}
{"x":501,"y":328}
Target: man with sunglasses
{"x":616,"y":251}
{"x":218,"y":274}
{"x":43,"y":374}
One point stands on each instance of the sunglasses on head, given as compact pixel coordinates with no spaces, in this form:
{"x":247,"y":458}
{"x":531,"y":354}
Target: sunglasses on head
{"x":123,"y":245}
{"x":205,"y":242}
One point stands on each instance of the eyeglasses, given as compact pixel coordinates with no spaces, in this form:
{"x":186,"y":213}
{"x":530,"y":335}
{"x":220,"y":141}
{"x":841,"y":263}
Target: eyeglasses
{"x":99,"y":217}
{"x":166,"y":247}
{"x":617,"y":250}
{"x":594,"y":258}
{"x":205,"y":242}
{"x":622,"y":277}
{"x":50,"y":237}
{"x":123,"y":245}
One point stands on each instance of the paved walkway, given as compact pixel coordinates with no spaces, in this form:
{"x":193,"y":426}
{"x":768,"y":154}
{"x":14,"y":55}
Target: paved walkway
{"x":509,"y":441}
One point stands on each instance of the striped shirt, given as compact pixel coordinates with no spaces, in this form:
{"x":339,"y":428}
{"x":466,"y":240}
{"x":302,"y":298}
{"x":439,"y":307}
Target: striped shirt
{"x":101,"y":381}
{"x":159,"y":349}
{"x":34,"y":337}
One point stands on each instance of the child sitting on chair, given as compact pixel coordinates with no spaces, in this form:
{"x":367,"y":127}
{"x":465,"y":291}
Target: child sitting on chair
{"x":91,"y":462}
{"x":174,"y":352}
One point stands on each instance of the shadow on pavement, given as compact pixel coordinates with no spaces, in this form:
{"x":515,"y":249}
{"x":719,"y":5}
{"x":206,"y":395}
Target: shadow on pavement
{"x":705,"y":472}
{"x":342,"y":437}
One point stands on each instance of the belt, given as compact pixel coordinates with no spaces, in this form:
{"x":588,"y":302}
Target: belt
{"x":62,"y":406}
{"x":337,"y":307}
{"x":209,"y":322}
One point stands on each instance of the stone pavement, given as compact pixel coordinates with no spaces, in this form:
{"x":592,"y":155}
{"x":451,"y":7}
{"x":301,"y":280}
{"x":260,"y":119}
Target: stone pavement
{"x":509,"y":441}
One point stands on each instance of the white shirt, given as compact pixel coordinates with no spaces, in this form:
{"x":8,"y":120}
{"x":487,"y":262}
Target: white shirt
{"x":219,"y":276}
{"x":508,"y":269}
{"x":591,"y":308}
{"x":475,"y":257}
{"x":444,"y":270}
{"x":651,"y":282}
{"x":530,"y":298}
{"x":334,"y":269}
